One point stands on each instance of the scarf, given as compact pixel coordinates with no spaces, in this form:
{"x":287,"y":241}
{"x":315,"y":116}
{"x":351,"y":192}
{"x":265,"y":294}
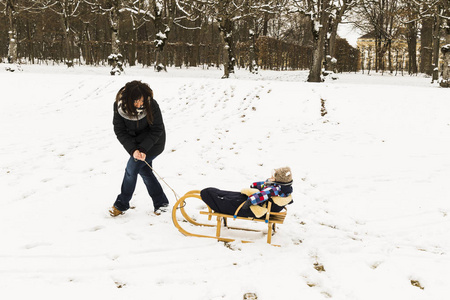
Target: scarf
{"x":139,"y":115}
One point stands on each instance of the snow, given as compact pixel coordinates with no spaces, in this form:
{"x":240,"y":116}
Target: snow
{"x":371,"y":215}
{"x":161,"y":36}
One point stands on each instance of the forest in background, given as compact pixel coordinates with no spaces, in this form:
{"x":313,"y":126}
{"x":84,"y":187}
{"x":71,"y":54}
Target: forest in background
{"x":253,"y":34}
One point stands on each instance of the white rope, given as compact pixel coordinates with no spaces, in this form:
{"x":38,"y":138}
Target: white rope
{"x":176,"y":195}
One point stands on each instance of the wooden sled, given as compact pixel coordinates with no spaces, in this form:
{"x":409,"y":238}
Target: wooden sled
{"x":271,"y":219}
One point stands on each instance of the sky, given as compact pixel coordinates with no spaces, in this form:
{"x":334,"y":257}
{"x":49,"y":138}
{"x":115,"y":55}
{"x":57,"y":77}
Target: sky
{"x":348,"y":32}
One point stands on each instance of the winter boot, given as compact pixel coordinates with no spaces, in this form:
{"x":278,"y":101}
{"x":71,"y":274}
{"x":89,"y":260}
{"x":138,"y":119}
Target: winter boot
{"x":162,"y":209}
{"x":114,"y":212}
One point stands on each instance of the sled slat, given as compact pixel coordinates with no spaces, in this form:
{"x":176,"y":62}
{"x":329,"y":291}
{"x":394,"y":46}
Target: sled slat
{"x":279,"y":218}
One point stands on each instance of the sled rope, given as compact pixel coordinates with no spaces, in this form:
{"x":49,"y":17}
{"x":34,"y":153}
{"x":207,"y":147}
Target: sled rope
{"x":175,"y":193}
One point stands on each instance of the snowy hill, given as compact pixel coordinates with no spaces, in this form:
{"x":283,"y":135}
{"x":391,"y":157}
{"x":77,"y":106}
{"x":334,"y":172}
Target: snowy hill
{"x":371,"y":186}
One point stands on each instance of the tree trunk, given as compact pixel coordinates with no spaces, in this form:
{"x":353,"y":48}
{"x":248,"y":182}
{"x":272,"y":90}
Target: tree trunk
{"x":68,"y":41}
{"x":319,"y":30}
{"x":412,"y":48}
{"x":31,"y":52}
{"x":389,"y":46}
{"x":333,"y":34}
{"x":265,"y":24}
{"x":426,"y":46}
{"x":362,"y":58}
{"x":379,"y":38}
{"x":12,"y":32}
{"x":436,"y":46}
{"x":115,"y":59}
{"x":396,"y":62}
{"x":162,"y":32}
{"x":332,"y":46}
{"x":133,"y":51}
{"x":377,"y":52}
{"x":253,"y":64}
{"x":86,"y":45}
{"x":445,"y":80}
{"x":114,"y":23}
{"x":226,"y":30}
{"x":403,"y":60}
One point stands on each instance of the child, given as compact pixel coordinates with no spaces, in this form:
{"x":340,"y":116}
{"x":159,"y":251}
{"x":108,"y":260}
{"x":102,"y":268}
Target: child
{"x":278,"y":188}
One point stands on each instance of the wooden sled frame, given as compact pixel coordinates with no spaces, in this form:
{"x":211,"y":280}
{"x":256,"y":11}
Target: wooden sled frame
{"x":271,"y":219}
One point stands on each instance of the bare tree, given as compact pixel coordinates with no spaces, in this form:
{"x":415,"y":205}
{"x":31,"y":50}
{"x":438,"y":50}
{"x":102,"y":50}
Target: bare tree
{"x":445,"y":14}
{"x":434,"y":16}
{"x":228,"y":14}
{"x":257,"y":15}
{"x":225,"y":13}
{"x":115,"y":59}
{"x":383,"y":19}
{"x":164,"y":11}
{"x":426,"y":13}
{"x":324,"y":17}
{"x":11,"y":13}
{"x":164,"y":14}
{"x":113,"y":9}
{"x":13,"y":9}
{"x":342,"y":7}
{"x":436,"y":42}
{"x":426,"y":40}
{"x":67,"y":10}
{"x":411,"y":37}
{"x":319,"y":13}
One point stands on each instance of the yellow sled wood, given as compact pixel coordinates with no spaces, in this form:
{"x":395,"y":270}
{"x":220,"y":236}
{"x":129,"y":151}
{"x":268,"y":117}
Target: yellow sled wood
{"x":271,"y":219}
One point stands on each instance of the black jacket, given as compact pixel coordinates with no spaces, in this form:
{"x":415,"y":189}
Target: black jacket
{"x":136,"y":134}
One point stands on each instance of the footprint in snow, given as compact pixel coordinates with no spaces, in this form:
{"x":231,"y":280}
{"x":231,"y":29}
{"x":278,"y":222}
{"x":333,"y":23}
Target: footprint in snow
{"x":37,"y":244}
{"x":95,"y":228}
{"x":119,"y":284}
{"x":134,"y":237}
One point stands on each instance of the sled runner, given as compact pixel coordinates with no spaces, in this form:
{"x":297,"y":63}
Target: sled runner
{"x":271,"y":219}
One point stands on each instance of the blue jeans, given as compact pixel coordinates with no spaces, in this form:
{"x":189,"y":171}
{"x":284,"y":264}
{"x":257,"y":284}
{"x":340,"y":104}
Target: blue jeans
{"x":135,"y":167}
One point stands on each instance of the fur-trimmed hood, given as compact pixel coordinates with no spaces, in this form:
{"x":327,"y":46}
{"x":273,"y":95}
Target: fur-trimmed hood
{"x":141,"y":113}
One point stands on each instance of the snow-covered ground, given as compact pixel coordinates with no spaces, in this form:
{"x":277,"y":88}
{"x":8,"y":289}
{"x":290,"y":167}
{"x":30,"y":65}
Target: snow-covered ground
{"x":371,"y":217}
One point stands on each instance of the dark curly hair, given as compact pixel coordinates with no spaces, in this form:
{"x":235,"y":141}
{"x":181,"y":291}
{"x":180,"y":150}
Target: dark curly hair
{"x":135,"y":90}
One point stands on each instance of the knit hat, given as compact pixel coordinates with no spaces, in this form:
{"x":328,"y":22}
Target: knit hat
{"x":282,"y":175}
